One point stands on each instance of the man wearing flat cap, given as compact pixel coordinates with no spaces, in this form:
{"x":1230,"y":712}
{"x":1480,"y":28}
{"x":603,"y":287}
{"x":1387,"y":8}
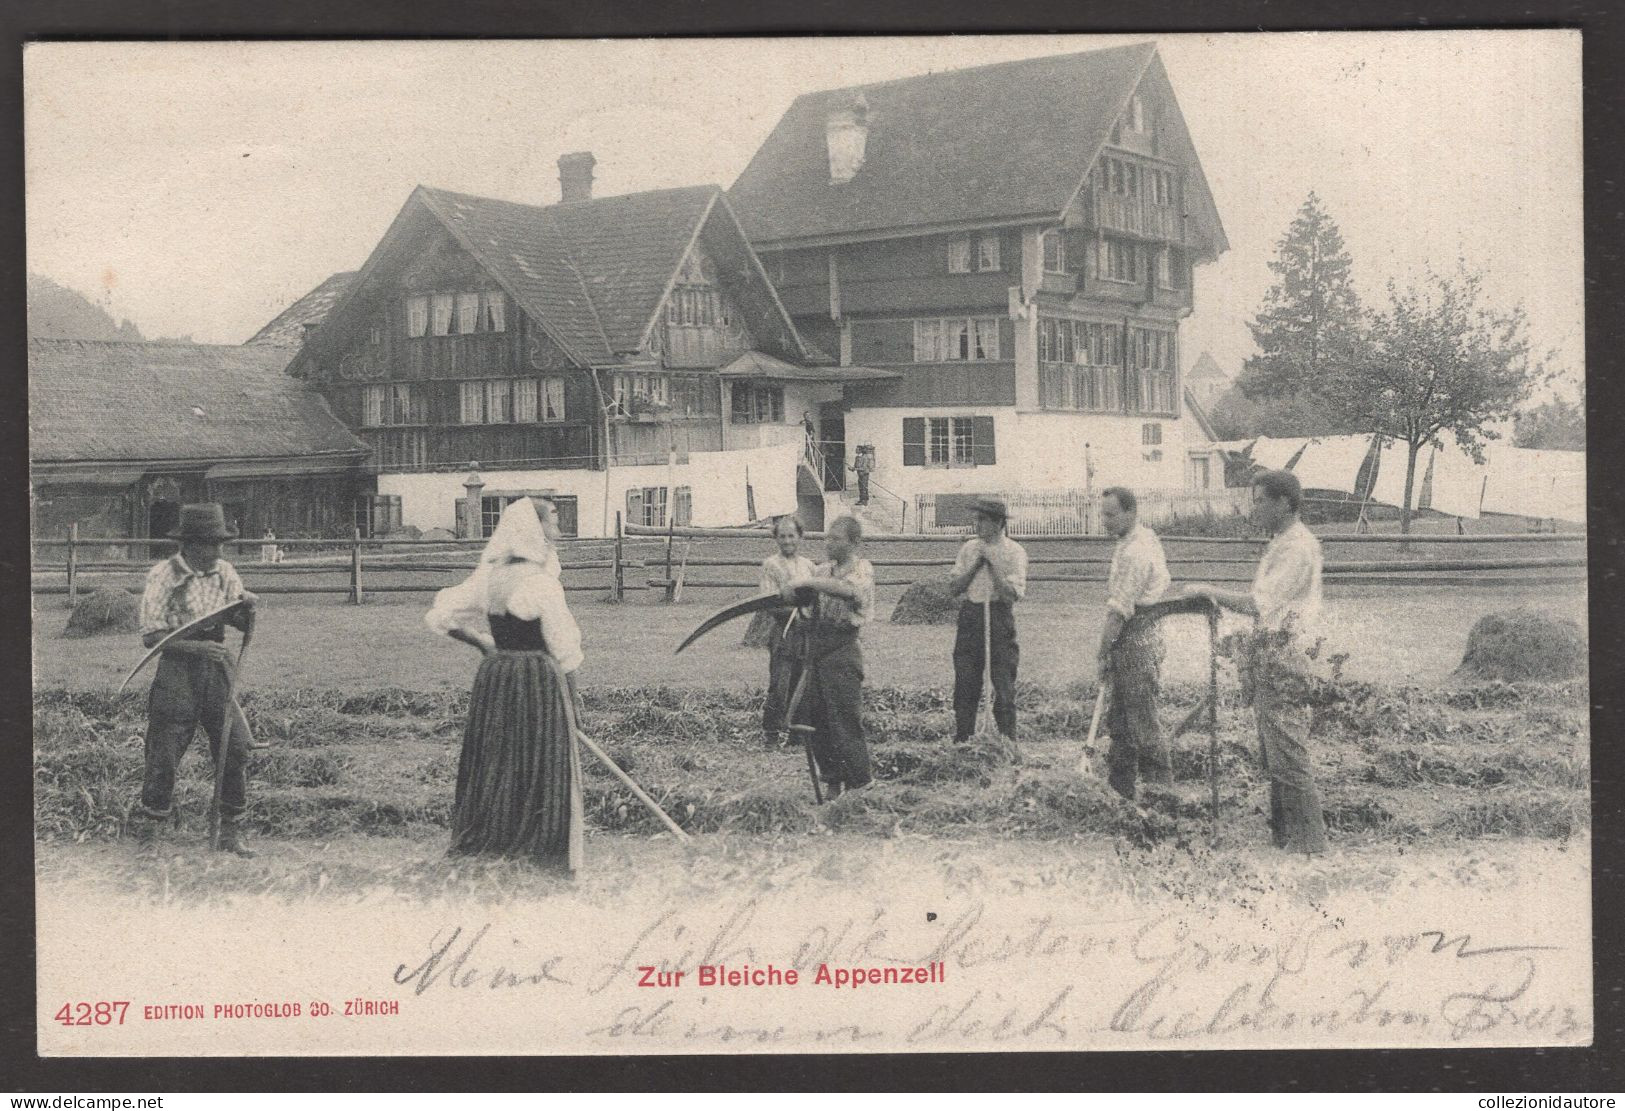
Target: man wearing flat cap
{"x":990,"y":575}
{"x":192,"y":685}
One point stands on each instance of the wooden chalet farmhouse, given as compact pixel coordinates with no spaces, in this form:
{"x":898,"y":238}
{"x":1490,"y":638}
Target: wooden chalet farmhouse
{"x":1018,"y":242}
{"x":617,"y":354}
{"x":122,"y":434}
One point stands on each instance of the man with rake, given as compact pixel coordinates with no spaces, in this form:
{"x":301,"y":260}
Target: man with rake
{"x":1278,"y":668}
{"x":990,"y":574}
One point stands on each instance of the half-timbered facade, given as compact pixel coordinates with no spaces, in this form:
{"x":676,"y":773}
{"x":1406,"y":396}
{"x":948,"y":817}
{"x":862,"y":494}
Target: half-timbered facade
{"x":607,"y":352}
{"x":1018,"y":243}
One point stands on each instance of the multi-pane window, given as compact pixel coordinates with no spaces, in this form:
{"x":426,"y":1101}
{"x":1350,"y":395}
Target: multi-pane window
{"x":392,"y":403}
{"x":629,"y":391}
{"x":1078,"y":341}
{"x":1151,"y":371}
{"x":757,"y":404}
{"x":956,"y":339}
{"x":510,"y":400}
{"x":1054,"y":251}
{"x":646,"y":505}
{"x":950,"y":441}
{"x":1150,"y":434}
{"x":959,"y":256}
{"x":1121,"y":261}
{"x":456,"y":314}
{"x":1171,"y":268}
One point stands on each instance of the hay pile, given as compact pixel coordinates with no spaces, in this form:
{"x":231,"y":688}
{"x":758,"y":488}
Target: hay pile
{"x":1523,"y":645}
{"x":105,"y":611}
{"x":927,"y":602}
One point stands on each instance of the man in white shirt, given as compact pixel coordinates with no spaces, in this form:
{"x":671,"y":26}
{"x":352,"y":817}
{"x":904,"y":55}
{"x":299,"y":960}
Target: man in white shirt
{"x":1285,"y":603}
{"x":991,"y":568}
{"x":1130,"y":654}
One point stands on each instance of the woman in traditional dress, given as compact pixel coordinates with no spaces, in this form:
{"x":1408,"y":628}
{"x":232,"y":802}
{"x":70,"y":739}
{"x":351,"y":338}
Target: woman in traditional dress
{"x":834,"y":695}
{"x":783,"y":649}
{"x":519,"y":777}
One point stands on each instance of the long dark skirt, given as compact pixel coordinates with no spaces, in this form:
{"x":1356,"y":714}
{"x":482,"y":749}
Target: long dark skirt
{"x":519,"y":778}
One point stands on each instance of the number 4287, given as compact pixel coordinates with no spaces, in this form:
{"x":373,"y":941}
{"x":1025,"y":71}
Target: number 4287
{"x":106,"y":1013}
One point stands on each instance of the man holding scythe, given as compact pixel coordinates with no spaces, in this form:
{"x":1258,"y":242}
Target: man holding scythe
{"x":195,"y":673}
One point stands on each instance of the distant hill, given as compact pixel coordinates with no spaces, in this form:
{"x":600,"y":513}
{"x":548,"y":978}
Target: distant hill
{"x":56,"y":312}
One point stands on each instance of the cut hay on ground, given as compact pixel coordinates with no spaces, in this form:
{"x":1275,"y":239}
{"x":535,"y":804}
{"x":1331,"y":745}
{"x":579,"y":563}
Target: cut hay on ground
{"x":927,"y":602}
{"x":1524,"y":645}
{"x":1395,"y":764}
{"x":105,"y":611}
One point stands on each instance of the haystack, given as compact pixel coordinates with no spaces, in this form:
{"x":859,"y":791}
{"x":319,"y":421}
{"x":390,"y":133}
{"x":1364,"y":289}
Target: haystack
{"x":105,"y":611}
{"x":1524,"y":645}
{"x":927,"y":602}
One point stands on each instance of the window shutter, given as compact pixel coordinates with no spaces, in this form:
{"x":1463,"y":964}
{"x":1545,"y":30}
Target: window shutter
{"x":913,"y":441}
{"x":982,"y":441}
{"x":634,"y":507}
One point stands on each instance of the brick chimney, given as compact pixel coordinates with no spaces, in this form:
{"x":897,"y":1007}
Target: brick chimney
{"x":575,"y":176}
{"x":846,"y":133}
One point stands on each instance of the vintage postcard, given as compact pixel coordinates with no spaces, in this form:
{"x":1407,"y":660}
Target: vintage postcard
{"x":809,"y":545}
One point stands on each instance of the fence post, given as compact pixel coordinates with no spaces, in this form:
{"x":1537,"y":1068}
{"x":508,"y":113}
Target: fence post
{"x":615,"y":581}
{"x":355,"y":566}
{"x":73,"y":562}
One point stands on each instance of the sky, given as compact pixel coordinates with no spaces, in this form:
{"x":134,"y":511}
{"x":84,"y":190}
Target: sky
{"x":199,"y":188}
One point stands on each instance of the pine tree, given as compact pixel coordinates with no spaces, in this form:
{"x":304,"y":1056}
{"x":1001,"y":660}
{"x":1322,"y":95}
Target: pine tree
{"x":1309,"y":325}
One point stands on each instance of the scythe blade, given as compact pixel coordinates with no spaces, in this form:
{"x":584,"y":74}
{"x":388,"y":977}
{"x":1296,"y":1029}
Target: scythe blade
{"x":190,"y":627}
{"x":738,"y":609}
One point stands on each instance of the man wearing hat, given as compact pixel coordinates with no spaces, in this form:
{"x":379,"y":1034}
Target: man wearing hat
{"x":193,"y":673}
{"x":991,"y":575}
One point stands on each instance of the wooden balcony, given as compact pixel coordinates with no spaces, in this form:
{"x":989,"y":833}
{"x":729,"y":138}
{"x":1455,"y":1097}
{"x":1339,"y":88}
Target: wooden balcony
{"x":1137,"y":216}
{"x":527,"y":446}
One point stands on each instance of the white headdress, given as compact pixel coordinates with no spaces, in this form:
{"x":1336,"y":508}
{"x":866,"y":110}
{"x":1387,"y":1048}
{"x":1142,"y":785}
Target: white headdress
{"x":518,"y":536}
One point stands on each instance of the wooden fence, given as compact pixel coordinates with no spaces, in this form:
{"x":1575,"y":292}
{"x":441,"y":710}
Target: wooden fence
{"x":666,"y":560}
{"x":1076,"y":513}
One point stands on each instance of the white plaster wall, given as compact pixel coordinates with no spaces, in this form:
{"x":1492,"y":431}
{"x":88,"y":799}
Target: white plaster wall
{"x":717,"y":478}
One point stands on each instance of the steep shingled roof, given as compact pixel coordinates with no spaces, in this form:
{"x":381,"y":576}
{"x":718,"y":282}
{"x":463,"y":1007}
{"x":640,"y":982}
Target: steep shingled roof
{"x":998,"y":142}
{"x":288,"y":329}
{"x":101,"y":400}
{"x":591,"y":273}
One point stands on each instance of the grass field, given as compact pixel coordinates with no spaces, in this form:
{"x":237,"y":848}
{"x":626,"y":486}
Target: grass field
{"x":1391,"y":635}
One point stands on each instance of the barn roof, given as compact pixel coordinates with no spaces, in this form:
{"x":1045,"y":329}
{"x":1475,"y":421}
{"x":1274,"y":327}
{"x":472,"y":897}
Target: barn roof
{"x":1003,"y":142}
{"x":288,"y":329}
{"x":100,"y":400}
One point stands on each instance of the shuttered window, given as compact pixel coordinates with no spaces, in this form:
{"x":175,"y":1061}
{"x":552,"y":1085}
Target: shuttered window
{"x":913,"y":441}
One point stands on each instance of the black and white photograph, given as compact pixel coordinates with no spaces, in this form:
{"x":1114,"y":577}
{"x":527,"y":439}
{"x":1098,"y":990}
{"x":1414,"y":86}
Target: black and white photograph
{"x":825,"y":545}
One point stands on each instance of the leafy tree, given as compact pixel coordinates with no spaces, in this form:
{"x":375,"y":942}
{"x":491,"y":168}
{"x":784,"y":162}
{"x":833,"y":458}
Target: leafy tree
{"x":1438,"y":360}
{"x":1309,"y":328}
{"x":1559,"y":424}
{"x":1235,"y":416}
